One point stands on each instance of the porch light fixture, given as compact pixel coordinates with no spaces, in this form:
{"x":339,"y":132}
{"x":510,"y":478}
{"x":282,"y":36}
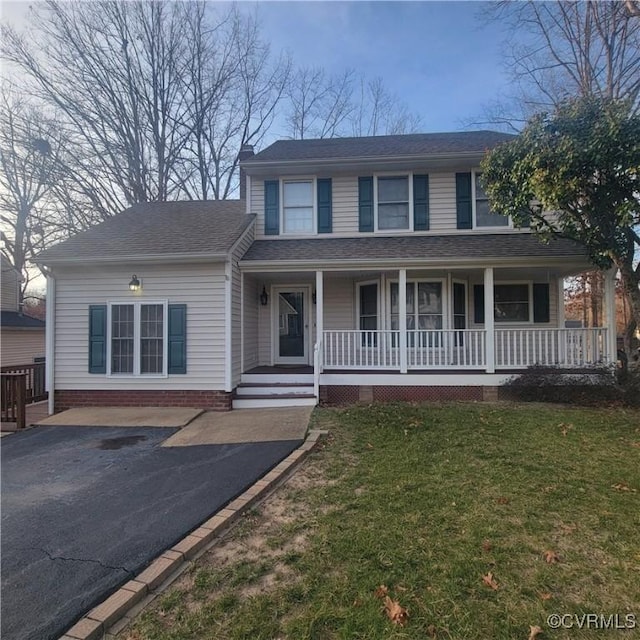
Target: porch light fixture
{"x":264,"y":297}
{"x":134,"y":285}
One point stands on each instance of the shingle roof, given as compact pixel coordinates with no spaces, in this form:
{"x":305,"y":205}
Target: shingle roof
{"x":415,"y":144}
{"x":13,"y":319}
{"x":158,"y":229}
{"x":463,"y":246}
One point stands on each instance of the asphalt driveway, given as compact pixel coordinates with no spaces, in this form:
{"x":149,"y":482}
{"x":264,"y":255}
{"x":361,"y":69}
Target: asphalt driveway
{"x":84,"y":509}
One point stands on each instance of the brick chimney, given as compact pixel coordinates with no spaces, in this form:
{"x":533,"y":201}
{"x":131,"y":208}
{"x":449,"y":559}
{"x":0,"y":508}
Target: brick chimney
{"x":246,"y":151}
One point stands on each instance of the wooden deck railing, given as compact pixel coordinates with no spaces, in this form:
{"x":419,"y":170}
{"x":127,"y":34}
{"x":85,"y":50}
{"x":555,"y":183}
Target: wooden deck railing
{"x":13,"y":398}
{"x":34,"y":380}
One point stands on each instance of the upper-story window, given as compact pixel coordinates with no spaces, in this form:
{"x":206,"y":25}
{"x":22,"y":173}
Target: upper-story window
{"x":297,"y":206}
{"x":393,"y":202}
{"x":483,"y":216}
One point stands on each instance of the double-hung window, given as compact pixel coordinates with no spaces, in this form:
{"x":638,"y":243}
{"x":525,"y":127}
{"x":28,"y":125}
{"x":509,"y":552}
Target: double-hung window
{"x":484,"y":217}
{"x":297,"y":206}
{"x":138,"y":338}
{"x":393,"y":199}
{"x":512,"y":302}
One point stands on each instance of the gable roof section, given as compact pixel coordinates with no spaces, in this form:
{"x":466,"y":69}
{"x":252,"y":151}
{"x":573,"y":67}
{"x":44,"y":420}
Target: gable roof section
{"x":408,"y":145}
{"x":15,"y":320}
{"x":157,"y":229}
{"x":461,"y":248}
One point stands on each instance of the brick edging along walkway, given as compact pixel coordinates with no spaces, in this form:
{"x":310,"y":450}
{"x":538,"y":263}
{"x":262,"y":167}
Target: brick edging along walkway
{"x":166,"y":567}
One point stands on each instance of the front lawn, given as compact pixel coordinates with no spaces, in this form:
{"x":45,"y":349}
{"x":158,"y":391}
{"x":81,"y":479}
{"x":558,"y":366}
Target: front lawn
{"x":479,"y":520}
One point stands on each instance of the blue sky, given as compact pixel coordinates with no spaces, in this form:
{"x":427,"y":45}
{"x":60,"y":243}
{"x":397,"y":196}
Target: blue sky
{"x":440,"y":58}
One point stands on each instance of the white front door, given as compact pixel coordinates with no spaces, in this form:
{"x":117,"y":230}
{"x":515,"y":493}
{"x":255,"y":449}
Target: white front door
{"x":290,"y":320}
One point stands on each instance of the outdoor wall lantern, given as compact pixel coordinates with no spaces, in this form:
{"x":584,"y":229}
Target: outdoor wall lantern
{"x":264,"y":297}
{"x":134,"y":285}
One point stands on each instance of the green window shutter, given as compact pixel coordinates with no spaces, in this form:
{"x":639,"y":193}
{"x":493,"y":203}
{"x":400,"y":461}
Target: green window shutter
{"x":271,"y":207}
{"x":463,"y":200}
{"x":177,"y":339}
{"x":98,"y":338}
{"x":541,"y":302}
{"x":421,"y":203}
{"x":478,"y":303}
{"x":324,"y":205}
{"x":365,"y":203}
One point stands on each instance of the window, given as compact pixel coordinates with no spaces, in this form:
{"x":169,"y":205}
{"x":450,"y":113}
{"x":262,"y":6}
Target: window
{"x":426,"y":313}
{"x":393,"y":202}
{"x":511,"y":302}
{"x":368,"y":312}
{"x":484,"y":217}
{"x":137,"y":344}
{"x":297,"y":206}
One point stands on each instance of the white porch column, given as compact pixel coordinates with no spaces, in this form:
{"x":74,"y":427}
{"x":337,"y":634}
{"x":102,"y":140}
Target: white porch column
{"x":402,"y":318}
{"x":562,"y":337}
{"x":488,"y":321}
{"x":50,"y":343}
{"x":319,"y":306}
{"x":610,"y":315}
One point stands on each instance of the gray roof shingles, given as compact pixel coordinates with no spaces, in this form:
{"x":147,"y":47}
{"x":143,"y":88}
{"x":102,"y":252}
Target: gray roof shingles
{"x":158,"y":229}
{"x":15,"y":320}
{"x":413,"y":247}
{"x":416,"y":144}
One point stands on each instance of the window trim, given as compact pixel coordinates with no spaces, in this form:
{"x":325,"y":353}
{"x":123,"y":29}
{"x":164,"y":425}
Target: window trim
{"x":509,"y":225}
{"x":137,"y":304}
{"x":365,"y":283}
{"x":529,"y":284}
{"x":314,"y":203}
{"x":446,"y":302}
{"x":392,"y":174}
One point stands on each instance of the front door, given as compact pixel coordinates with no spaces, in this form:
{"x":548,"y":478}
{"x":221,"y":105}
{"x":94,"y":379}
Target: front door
{"x":291,"y":325}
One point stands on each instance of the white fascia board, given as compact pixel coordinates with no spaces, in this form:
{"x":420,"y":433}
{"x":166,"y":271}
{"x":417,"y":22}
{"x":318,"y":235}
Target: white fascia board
{"x":128,"y":259}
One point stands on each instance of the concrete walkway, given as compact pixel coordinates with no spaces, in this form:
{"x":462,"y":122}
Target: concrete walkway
{"x":244,"y":425}
{"x":123,"y":417}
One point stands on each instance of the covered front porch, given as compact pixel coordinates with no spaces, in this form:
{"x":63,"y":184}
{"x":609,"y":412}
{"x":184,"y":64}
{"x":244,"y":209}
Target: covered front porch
{"x":412,"y":321}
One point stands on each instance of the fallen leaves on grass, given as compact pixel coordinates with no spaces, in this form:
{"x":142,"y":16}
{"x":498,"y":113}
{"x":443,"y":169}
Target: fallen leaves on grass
{"x":568,"y":528}
{"x":502,"y":500}
{"x":395,"y":612}
{"x":486,"y":546}
{"x":534,"y":632}
{"x":545,"y":595}
{"x":381,"y":591}
{"x":622,"y":486}
{"x":431,"y":630}
{"x":551,"y":557}
{"x":565,"y":428}
{"x":490,"y":581}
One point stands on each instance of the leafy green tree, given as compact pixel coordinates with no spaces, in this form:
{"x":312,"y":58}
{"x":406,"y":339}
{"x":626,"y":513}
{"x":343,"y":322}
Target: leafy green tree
{"x":575,"y":173}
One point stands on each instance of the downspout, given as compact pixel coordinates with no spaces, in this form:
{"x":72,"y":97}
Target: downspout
{"x":50,"y":343}
{"x":228,"y":334}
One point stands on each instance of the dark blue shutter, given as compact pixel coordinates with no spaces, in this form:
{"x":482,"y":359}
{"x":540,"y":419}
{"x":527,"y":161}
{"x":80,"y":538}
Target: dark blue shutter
{"x":97,"y":338}
{"x":463,"y":200}
{"x":540,"y":302}
{"x":478,"y":303}
{"x":421,"y":203}
{"x":177,"y":339}
{"x":365,"y":203}
{"x":324,"y":205}
{"x":271,"y":207}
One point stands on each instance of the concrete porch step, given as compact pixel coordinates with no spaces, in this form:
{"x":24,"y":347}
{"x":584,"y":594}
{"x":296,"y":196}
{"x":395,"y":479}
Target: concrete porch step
{"x":256,"y":389}
{"x":278,"y":400}
{"x":276,"y":378}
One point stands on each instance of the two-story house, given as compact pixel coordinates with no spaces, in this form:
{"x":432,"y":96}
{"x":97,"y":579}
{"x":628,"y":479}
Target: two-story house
{"x":350,"y":269}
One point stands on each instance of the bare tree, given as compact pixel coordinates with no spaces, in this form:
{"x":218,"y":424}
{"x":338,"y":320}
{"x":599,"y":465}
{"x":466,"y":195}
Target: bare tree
{"x":558,"y":50}
{"x":157,"y":98}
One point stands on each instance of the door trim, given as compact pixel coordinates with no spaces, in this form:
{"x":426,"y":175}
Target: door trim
{"x":275,"y":324}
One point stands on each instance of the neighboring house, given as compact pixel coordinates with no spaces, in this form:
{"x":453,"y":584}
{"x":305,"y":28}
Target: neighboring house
{"x":22,"y":337}
{"x":351,"y":269}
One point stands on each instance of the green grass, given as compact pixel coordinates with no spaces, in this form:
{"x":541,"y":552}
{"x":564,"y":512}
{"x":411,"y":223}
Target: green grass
{"x":426,"y":500}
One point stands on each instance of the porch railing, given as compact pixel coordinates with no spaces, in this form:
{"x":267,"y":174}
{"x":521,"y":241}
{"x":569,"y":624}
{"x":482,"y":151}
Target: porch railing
{"x":446,"y":349}
{"x":13,"y":398}
{"x":34,"y":380}
{"x":362,"y":349}
{"x":464,"y":348}
{"x":519,"y":348}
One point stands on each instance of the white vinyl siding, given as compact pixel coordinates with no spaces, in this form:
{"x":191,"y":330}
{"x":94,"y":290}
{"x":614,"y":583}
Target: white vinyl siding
{"x":21,"y":346}
{"x":199,"y":286}
{"x":9,"y":287}
{"x":251,"y":313}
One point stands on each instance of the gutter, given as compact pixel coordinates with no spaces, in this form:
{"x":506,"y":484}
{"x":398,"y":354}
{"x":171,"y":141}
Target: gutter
{"x":158,"y":257}
{"x":50,"y":343}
